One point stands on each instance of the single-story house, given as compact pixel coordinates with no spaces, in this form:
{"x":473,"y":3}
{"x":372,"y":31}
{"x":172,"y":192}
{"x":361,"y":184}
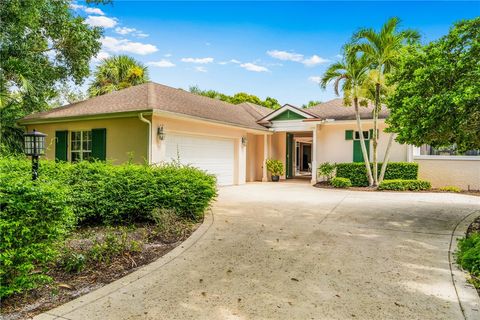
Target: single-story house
{"x":153,"y":123}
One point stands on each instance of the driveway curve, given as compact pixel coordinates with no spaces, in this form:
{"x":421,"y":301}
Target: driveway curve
{"x":291,"y":251}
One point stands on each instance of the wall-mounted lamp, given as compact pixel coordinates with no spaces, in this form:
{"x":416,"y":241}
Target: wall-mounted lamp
{"x":244,"y":141}
{"x":160,"y":133}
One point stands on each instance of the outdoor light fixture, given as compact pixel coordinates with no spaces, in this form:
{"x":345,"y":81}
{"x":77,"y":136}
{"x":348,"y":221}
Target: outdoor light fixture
{"x":34,"y":147}
{"x":160,"y":133}
{"x":244,"y":141}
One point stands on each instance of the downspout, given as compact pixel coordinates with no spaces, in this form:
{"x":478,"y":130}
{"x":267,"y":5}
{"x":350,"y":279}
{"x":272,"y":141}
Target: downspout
{"x":140,"y":116}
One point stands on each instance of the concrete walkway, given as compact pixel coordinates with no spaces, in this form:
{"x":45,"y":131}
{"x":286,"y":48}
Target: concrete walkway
{"x":291,"y":251}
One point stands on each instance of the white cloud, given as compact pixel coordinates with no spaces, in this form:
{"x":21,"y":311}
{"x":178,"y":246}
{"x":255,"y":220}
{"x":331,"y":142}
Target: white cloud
{"x":200,"y":69}
{"x":100,"y":56}
{"x":297,"y":57}
{"x":167,"y":55}
{"x":164,"y":63}
{"x":315,"y":79}
{"x":124,"y":30}
{"x":90,"y":10}
{"x":101,"y":21}
{"x":123,"y":45}
{"x":253,"y":67}
{"x":338,"y":56}
{"x":285,"y":56}
{"x":230,"y":61}
{"x":198,"y":60}
{"x":142,"y":35}
{"x":314,"y":60}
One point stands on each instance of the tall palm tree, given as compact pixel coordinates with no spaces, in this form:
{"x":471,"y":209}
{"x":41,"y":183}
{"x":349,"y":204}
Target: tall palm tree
{"x":383,"y":49}
{"x":351,"y":73}
{"x":116,"y":73}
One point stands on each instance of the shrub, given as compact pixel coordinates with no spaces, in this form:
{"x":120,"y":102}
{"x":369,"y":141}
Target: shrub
{"x":338,"y":182}
{"x":357,"y":173}
{"x":450,"y":189}
{"x":401,"y":185}
{"x":34,"y":217}
{"x":468,"y":255}
{"x":275,"y":167}
{"x":326,"y":170}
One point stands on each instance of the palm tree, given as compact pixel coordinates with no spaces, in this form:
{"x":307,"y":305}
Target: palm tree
{"x":352,"y":72}
{"x":116,"y":73}
{"x":383,"y":49}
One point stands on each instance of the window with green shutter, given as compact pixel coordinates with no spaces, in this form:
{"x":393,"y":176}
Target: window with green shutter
{"x":348,"y":134}
{"x":99,"y":144}
{"x":61,"y":145}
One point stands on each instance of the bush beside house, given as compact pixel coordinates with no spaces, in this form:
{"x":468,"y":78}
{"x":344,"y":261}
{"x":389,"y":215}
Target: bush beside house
{"x":35,"y":215}
{"x":357,"y":172}
{"x":402,"y":185}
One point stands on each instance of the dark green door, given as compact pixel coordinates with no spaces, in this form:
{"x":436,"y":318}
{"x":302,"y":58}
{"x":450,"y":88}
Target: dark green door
{"x":357,"y":150}
{"x":289,"y":160}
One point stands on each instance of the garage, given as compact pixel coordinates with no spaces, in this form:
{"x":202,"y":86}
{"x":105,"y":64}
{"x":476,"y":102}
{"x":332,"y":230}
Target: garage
{"x":214,"y":155}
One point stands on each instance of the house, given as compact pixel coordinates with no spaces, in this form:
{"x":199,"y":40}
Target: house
{"x":153,"y":123}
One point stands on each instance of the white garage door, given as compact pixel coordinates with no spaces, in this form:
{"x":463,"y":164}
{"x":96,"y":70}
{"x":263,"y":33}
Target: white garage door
{"x":210,"y":154}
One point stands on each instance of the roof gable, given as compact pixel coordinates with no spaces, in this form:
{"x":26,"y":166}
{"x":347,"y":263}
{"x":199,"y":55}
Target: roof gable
{"x":288,"y":115}
{"x":287,"y":112}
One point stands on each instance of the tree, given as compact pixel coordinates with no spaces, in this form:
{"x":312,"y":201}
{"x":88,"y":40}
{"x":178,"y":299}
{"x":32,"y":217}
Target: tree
{"x":311,"y":103}
{"x":437,"y":96}
{"x":41,"y":43}
{"x":116,"y":73}
{"x":352,"y":72}
{"x":237,"y":98}
{"x":66,"y":94}
{"x":383,"y":49}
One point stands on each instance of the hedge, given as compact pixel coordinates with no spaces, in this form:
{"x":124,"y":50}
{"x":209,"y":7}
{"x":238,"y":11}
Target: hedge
{"x":338,"y":182}
{"x":357,"y":173}
{"x":402,"y":185}
{"x":35,"y":215}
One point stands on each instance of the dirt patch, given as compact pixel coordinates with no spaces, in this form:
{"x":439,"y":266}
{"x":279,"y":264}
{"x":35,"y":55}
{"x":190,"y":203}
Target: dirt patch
{"x":150,"y":244}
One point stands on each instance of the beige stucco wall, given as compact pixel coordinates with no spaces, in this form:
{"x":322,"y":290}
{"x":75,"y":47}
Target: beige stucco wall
{"x":124,"y":136}
{"x":245,"y":159}
{"x":332,"y":146}
{"x":464,"y":174}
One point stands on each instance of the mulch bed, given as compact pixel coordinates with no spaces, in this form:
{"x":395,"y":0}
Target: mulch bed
{"x":67,"y":286}
{"x":326,"y":185}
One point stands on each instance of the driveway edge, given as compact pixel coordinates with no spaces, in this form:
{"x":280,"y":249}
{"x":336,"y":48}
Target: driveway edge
{"x":62,"y":311}
{"x":467,"y":295}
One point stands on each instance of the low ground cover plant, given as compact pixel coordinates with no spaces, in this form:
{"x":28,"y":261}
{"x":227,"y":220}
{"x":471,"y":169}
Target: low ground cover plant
{"x":402,"y":185}
{"x":468,"y":256}
{"x":357,"y":172}
{"x":35,"y":216}
{"x":339,"y":182}
{"x":451,"y":189}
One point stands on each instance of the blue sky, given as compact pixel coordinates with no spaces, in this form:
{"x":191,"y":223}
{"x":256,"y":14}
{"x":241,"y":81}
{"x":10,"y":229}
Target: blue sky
{"x":276,"y":49}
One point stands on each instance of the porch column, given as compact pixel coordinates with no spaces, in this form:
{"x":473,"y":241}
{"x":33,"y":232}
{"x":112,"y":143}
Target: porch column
{"x":314,"y":155}
{"x":265,"y":157}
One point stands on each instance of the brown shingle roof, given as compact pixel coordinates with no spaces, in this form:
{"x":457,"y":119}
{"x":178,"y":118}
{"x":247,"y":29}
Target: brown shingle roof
{"x":153,"y":96}
{"x":336,"y":109}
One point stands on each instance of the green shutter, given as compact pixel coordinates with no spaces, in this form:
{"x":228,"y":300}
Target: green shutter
{"x":348,"y":134}
{"x":99,"y":144}
{"x":61,"y":145}
{"x":357,"y":150}
{"x":289,"y":160}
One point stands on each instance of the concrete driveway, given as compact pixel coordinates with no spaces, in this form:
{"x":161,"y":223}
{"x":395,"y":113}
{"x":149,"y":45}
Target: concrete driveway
{"x":291,"y":251}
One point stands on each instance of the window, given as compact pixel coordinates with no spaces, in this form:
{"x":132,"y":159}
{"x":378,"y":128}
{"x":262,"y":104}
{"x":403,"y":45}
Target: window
{"x":366,"y":135}
{"x":427,"y":150}
{"x":81,"y":145}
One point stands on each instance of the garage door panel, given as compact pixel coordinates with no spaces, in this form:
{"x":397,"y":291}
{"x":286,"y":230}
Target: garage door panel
{"x":214,"y":155}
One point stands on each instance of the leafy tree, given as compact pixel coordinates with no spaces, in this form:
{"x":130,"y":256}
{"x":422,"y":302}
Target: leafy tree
{"x":437,"y":96}
{"x":383,"y":49}
{"x":66,"y":94}
{"x":42,"y":42}
{"x":116,"y":73}
{"x":311,"y":103}
{"x":237,"y":98}
{"x":351,"y":73}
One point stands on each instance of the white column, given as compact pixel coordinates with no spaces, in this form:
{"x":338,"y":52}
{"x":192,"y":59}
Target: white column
{"x":265,"y":157}
{"x":314,"y":155}
{"x":409,"y":153}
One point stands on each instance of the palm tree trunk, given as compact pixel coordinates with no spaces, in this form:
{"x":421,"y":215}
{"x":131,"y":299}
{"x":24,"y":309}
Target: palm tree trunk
{"x":362,"y":144}
{"x":375,"y":134}
{"x":386,"y":157}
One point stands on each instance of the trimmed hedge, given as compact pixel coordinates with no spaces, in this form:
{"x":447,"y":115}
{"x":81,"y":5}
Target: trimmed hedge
{"x":341,"y":182}
{"x":402,"y":185}
{"x":357,"y":173}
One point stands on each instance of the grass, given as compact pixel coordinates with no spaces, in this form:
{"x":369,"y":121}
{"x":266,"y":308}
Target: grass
{"x":468,"y":256}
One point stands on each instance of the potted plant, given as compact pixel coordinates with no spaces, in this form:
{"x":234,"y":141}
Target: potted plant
{"x":276,"y":169}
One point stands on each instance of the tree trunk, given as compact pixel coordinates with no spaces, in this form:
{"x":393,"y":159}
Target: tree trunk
{"x":362,"y":144}
{"x":375,"y":133}
{"x":386,"y":158}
